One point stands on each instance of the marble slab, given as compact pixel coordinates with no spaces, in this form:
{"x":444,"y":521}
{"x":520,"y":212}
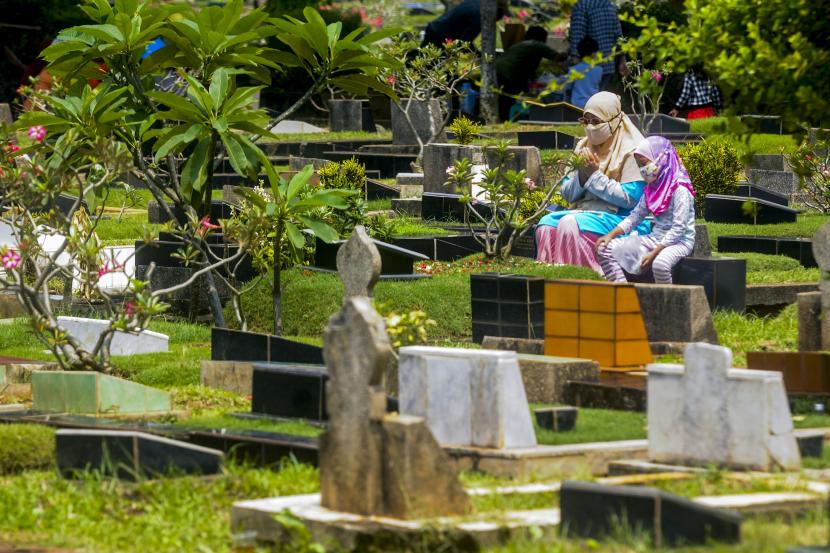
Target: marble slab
{"x":87,"y":332}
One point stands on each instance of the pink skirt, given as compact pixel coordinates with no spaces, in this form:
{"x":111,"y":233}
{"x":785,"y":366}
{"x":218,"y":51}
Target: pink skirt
{"x":566,"y":245}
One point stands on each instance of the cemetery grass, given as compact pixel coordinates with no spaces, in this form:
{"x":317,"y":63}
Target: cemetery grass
{"x":775,"y":269}
{"x":806,"y":226}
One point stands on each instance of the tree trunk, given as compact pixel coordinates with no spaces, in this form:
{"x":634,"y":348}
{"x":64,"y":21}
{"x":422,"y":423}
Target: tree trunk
{"x":277,"y":282}
{"x":213,"y":292}
{"x":489,"y":100}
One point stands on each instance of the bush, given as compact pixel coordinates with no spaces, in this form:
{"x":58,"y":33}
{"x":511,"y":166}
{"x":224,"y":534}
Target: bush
{"x":349,"y":174}
{"x":714,"y":167}
{"x":464,"y":130}
{"x":26,"y":447}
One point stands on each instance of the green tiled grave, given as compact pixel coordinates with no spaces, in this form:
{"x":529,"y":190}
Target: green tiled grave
{"x":94,"y":393}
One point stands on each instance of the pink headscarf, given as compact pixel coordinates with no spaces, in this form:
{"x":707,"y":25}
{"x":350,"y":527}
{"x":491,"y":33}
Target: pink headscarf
{"x":672,"y":173}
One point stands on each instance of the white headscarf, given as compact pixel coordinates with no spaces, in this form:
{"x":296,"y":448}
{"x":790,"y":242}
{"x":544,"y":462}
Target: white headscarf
{"x":616,"y":155}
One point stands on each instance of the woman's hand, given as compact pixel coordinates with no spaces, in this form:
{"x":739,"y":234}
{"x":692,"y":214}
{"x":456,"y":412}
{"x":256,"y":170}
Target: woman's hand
{"x":602,"y":242}
{"x":650,"y":257}
{"x":590,"y":160}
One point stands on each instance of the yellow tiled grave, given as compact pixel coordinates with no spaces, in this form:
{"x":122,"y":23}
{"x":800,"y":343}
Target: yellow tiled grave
{"x":596,"y":320}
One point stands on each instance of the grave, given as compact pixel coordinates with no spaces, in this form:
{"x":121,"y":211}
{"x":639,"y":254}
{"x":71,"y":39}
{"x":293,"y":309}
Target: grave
{"x":821,"y":253}
{"x":803,"y":372}
{"x":164,"y":254}
{"x":723,"y":279}
{"x":507,"y":305}
{"x":596,"y":320}
{"x":748,"y":190}
{"x":439,"y":157}
{"x":237,"y":345}
{"x":764,"y":124}
{"x":396,"y":262}
{"x":386,"y":165}
{"x":800,"y":249}
{"x":6,"y":114}
{"x":88,"y":331}
{"x":591,"y":510}
{"x":719,"y":208}
{"x":782,"y":182}
{"x":441,"y":248}
{"x":411,"y":185}
{"x":131,"y":455}
{"x":376,"y":190}
{"x":557,"y":419}
{"x":708,"y":413}
{"x":94,"y":393}
{"x":437,"y":206}
{"x":557,"y":112}
{"x":289,"y":391}
{"x":467,"y":397}
{"x":547,"y":140}
{"x":426,"y":117}
{"x":662,"y":124}
{"x":351,"y":115}
{"x":545,"y":377}
{"x":676,"y":313}
{"x":809,"y":321}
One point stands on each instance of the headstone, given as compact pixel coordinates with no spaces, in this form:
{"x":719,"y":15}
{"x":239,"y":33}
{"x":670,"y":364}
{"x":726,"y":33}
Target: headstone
{"x":821,"y":253}
{"x":708,"y":413}
{"x":558,"y":419}
{"x":723,"y":279}
{"x":289,"y":391}
{"x":545,"y":377}
{"x":592,"y":510}
{"x":6,"y":114}
{"x":809,"y":321}
{"x":296,"y":163}
{"x":237,"y":345}
{"x":373,"y":463}
{"x":468,"y":397}
{"x":425,"y":116}
{"x":438,"y":158}
{"x":719,"y":208}
{"x":803,"y":372}
{"x":87,"y":392}
{"x":811,"y":444}
{"x":703,"y":246}
{"x":558,"y":112}
{"x":800,"y":249}
{"x":676,"y":313}
{"x":131,"y":455}
{"x":351,"y":115}
{"x":547,"y":140}
{"x":507,"y":305}
{"x":782,"y":182}
{"x":286,"y":126}
{"x":88,"y":331}
{"x":596,"y":320}
{"x":755,"y":191}
{"x":396,"y":262}
{"x":661,"y":123}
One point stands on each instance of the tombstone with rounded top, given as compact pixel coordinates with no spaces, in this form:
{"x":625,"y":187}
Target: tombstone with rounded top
{"x":821,"y":253}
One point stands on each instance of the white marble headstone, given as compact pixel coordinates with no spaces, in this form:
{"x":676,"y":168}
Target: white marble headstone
{"x":709,"y":413}
{"x":468,"y":397}
{"x":87,"y":332}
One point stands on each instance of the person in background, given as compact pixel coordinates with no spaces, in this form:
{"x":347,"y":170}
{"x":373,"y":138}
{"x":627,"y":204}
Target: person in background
{"x":598,"y":19}
{"x":462,"y":22}
{"x":698,"y":94}
{"x":518,"y":65}
{"x":578,"y":92}
{"x":669,"y":196}
{"x":601,"y":193}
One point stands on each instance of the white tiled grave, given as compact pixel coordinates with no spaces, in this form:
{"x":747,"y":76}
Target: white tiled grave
{"x":87,"y":332}
{"x":709,"y":413}
{"x":468,"y":397}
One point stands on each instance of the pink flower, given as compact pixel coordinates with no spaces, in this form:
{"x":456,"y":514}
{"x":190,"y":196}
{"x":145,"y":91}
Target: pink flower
{"x":826,"y":173}
{"x":37,"y":133}
{"x":522,"y":14}
{"x":109,"y":267}
{"x":531,"y":185}
{"x":10,"y":259}
{"x":657,"y":76}
{"x":449,"y":42}
{"x":391,"y":79}
{"x":130,"y":308}
{"x":451,"y":170}
{"x":325,"y":7}
{"x":376,"y":22}
{"x":205,"y":225}
{"x":14,"y":148}
{"x":506,"y":19}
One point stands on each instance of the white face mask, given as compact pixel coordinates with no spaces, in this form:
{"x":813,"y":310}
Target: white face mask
{"x":598,"y":134}
{"x":650,"y":171}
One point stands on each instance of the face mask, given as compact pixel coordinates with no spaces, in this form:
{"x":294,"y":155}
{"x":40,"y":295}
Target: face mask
{"x":598,"y":134}
{"x":650,"y":172}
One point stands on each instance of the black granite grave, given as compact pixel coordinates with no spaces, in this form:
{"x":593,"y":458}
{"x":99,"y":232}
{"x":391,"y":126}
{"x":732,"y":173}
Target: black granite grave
{"x":236,"y":345}
{"x":131,"y":455}
{"x":663,"y":124}
{"x":163,"y":254}
{"x":749,"y":190}
{"x":556,"y":112}
{"x":397,"y":263}
{"x":719,"y":208}
{"x":591,"y":510}
{"x":289,"y":391}
{"x":376,"y":190}
{"x":811,"y":445}
{"x":764,"y":124}
{"x":547,"y":140}
{"x":441,"y":248}
{"x":387,"y":164}
{"x":723,"y":279}
{"x":558,"y":419}
{"x":437,"y":206}
{"x":800,"y":249}
{"x":64,"y":204}
{"x":507,"y":305}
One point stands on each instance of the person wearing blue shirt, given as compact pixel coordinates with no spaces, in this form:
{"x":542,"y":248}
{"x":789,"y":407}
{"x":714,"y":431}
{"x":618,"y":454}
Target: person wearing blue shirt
{"x":579,"y":91}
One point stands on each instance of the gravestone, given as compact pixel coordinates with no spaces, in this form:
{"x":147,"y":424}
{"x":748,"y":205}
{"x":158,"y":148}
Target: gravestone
{"x":289,"y":391}
{"x":809,"y":321}
{"x":718,"y":208}
{"x":426,"y":118}
{"x":557,"y":112}
{"x":468,"y":397}
{"x":806,"y":372}
{"x":675,"y":313}
{"x":708,"y":413}
{"x":438,"y":158}
{"x":558,"y":419}
{"x":507,"y":305}
{"x":351,"y":115}
{"x":6,"y":114}
{"x":88,"y":331}
{"x":396,"y":262}
{"x":754,"y":191}
{"x":821,"y":253}
{"x":131,"y":455}
{"x":594,"y":510}
{"x":371,"y":462}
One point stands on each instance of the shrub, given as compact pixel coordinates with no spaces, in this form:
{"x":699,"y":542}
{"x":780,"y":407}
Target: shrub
{"x":464,"y":130}
{"x":26,"y":447}
{"x":714,"y":167}
{"x":349,"y":174}
{"x":811,"y":162}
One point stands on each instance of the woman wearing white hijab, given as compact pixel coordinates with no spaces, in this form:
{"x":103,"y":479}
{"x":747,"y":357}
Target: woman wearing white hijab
{"x":601,"y":194}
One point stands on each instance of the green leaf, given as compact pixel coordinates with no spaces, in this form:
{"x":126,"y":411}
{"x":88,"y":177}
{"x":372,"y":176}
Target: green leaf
{"x":319,"y":228}
{"x":298,"y":181}
{"x":194,"y":173}
{"x":294,"y":235}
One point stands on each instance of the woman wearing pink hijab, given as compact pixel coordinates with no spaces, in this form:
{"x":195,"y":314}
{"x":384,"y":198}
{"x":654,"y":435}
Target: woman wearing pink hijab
{"x":669,"y":196}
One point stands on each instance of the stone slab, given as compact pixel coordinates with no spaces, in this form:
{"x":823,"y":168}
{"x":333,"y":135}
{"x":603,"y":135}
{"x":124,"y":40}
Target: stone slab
{"x":131,"y":455}
{"x":809,"y":321}
{"x":94,"y":393}
{"x":767,"y":295}
{"x":468,"y":397}
{"x":438,"y":157}
{"x":519,"y":345}
{"x":557,"y":419}
{"x":545,"y":376}
{"x":426,"y":118}
{"x":676,"y":313}
{"x":88,"y":331}
{"x":231,"y":376}
{"x":411,"y":190}
{"x":407,"y":206}
{"x":409,"y":179}
{"x":783,"y":182}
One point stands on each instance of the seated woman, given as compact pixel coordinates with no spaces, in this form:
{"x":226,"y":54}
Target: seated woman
{"x":669,"y":196}
{"x":600,"y":194}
